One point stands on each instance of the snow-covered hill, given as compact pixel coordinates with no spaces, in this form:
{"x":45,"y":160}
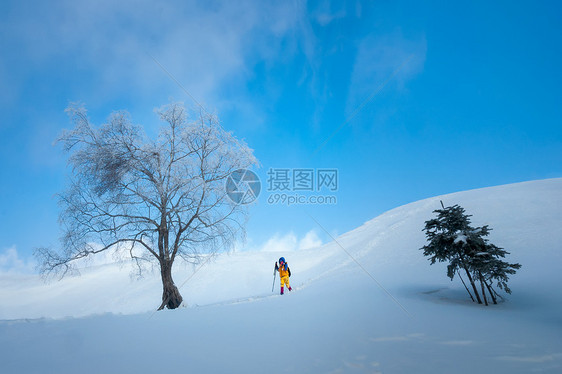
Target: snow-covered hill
{"x":368,"y":303}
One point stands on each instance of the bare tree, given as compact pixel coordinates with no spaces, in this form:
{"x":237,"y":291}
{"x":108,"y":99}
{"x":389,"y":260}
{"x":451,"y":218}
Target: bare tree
{"x":161,"y":199}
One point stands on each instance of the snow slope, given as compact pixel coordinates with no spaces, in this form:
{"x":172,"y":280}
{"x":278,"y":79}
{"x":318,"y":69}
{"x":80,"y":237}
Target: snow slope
{"x":384,"y":310}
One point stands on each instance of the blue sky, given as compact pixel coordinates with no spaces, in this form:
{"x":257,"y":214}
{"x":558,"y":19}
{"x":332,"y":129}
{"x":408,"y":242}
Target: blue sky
{"x":461,"y":96}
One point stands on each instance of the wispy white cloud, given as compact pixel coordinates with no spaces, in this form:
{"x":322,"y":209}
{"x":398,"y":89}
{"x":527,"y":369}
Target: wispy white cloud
{"x":327,"y":11}
{"x":380,"y":57}
{"x":398,"y":338}
{"x":106,"y":46}
{"x":390,"y":339}
{"x":10,"y":262}
{"x":539,"y":359}
{"x":458,"y":342}
{"x":280,"y":243}
{"x":310,"y":240}
{"x":290,"y":242}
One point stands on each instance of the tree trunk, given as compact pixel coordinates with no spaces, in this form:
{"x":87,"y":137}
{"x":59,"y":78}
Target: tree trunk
{"x":171,"y":297}
{"x":467,"y":290}
{"x":473,"y":286}
{"x":483,"y":290}
{"x":491,"y":293}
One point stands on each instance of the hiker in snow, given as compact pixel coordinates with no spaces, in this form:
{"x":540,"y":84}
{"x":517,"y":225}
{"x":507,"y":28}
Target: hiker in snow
{"x":284,"y":274}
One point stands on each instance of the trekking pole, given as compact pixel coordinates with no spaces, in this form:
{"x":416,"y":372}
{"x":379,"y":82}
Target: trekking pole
{"x":274,"y":276}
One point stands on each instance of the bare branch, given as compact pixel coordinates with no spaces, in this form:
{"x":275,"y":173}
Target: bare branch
{"x":163,"y":197}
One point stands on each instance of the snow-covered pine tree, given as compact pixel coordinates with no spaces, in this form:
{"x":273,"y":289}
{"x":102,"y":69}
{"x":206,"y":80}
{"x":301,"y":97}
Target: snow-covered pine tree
{"x":490,"y":267}
{"x":446,"y":235}
{"x":451,"y":238}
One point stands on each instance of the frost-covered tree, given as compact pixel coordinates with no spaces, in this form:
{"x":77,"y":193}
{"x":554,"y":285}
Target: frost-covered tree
{"x":160,"y":199}
{"x":451,"y":238}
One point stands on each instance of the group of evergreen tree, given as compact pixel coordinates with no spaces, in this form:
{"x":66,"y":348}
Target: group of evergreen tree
{"x":451,"y":238}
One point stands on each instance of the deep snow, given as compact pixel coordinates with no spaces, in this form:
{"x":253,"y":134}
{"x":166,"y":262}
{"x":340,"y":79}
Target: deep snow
{"x":338,"y":320}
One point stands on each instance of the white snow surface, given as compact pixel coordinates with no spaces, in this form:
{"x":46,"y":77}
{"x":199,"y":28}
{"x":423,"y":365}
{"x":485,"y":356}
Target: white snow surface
{"x":379,"y":308}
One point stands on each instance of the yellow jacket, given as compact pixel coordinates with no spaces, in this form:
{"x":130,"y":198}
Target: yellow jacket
{"x":283,"y":270}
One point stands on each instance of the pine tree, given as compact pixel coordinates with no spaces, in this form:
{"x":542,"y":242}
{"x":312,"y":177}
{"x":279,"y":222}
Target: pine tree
{"x":451,"y":238}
